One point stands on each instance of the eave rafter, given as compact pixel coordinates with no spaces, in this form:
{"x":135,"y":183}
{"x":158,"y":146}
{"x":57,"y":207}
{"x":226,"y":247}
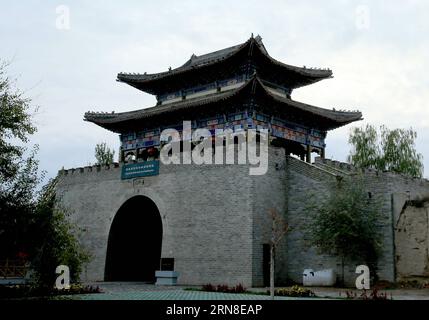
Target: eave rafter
{"x":254,"y":88}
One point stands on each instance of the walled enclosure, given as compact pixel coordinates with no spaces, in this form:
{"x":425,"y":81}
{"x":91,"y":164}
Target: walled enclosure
{"x":392,"y":190}
{"x":213,"y":225}
{"x":215,"y":217}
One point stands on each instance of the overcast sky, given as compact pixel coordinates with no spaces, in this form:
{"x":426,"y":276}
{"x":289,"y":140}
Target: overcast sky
{"x":378,"y":51}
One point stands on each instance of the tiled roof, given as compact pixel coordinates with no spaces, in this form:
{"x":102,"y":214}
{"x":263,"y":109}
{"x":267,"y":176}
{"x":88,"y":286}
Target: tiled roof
{"x":196,"y":62}
{"x":339,"y":118}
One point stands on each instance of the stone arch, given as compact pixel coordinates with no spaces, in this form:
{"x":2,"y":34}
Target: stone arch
{"x":134,"y":241}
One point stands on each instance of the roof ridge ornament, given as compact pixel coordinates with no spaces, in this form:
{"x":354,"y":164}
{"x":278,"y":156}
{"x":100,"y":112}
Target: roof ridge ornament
{"x":255,"y":80}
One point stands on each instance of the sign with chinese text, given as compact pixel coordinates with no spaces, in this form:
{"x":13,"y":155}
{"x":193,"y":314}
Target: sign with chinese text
{"x":141,"y":169}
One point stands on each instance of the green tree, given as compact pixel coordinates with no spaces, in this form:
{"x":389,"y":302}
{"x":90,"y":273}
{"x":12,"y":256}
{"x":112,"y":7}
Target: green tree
{"x":399,"y":152}
{"x":15,"y":124}
{"x":103,"y":154}
{"x":18,"y":174}
{"x":391,"y":150}
{"x":347,"y":225}
{"x":31,"y":222}
{"x":56,"y":242}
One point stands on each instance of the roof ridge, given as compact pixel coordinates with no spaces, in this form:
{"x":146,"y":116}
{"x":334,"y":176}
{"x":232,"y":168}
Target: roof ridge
{"x":216,"y":56}
{"x":188,"y":63}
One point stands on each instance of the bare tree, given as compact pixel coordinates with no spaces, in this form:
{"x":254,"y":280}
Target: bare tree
{"x":279,"y":228}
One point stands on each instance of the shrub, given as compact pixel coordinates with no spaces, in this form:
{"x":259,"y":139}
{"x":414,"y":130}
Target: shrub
{"x":209,"y":287}
{"x":295,"y":291}
{"x":374,"y":294}
{"x":239,"y":288}
{"x":222,"y":288}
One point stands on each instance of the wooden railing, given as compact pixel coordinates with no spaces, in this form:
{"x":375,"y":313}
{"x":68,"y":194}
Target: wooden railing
{"x":13,"y":269}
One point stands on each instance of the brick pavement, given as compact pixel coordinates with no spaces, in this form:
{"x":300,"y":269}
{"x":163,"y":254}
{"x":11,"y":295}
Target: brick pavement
{"x":141,"y":291}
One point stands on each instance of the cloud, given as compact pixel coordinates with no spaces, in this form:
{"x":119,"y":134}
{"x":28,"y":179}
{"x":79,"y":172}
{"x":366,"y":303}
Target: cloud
{"x":389,"y":86}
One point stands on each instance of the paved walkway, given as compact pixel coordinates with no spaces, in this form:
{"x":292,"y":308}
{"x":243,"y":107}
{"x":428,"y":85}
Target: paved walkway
{"x":141,"y":291}
{"x":175,"y":295}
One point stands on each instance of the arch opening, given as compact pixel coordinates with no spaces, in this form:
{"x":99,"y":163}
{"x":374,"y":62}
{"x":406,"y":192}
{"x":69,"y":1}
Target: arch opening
{"x":135,"y":239}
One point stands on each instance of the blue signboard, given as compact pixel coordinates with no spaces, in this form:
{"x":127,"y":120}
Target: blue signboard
{"x":141,"y":169}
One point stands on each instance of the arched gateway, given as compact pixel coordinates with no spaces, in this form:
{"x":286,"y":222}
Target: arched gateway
{"x":135,"y":238}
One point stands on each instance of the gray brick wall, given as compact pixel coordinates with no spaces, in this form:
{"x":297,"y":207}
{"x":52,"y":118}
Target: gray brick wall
{"x":215,"y":218}
{"x":305,"y":181}
{"x":269,"y":192}
{"x":205,"y":211}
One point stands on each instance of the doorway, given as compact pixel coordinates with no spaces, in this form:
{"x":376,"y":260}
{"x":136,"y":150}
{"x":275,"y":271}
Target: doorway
{"x":135,"y":239}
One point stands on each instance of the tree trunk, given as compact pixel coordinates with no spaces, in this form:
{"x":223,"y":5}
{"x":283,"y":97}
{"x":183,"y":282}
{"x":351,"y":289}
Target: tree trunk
{"x":342,"y":271}
{"x":272,"y":271}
